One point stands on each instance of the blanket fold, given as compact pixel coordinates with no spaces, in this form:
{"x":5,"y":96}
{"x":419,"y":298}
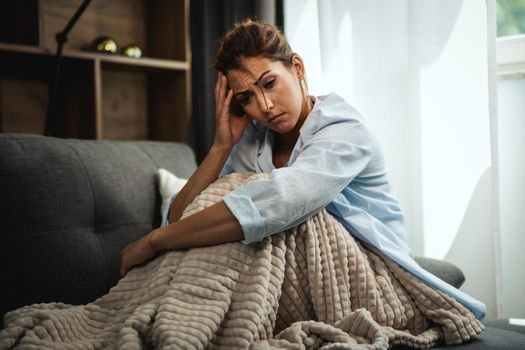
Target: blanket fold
{"x":311,"y":287}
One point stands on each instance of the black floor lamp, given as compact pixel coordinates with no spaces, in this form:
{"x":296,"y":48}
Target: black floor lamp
{"x":60,"y":38}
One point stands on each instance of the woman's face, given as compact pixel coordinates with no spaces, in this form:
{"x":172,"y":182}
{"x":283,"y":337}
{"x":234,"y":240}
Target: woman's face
{"x":270,"y":92}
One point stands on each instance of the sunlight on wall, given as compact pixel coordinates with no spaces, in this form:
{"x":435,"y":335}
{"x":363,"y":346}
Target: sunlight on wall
{"x":304,"y":37}
{"x":455,"y":135}
{"x":327,"y":53}
{"x":336,"y":50}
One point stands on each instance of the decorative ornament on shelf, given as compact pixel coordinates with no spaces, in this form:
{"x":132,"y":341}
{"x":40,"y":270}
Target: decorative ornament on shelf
{"x":133,"y":51}
{"x":105,"y":44}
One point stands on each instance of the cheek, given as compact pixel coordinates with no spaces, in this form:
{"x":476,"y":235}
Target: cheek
{"x":253,"y":111}
{"x":295,"y":96}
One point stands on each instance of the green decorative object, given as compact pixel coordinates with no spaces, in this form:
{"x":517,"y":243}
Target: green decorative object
{"x":105,"y":44}
{"x":133,"y":51}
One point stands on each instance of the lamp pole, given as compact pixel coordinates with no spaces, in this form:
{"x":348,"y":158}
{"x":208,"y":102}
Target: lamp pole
{"x":60,"y":38}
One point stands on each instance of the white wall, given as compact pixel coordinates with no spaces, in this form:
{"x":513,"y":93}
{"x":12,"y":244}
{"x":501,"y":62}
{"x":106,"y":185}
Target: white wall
{"x":454,"y":114}
{"x":473,"y":247}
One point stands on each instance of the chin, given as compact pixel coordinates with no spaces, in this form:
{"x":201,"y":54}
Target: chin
{"x":282,"y":129}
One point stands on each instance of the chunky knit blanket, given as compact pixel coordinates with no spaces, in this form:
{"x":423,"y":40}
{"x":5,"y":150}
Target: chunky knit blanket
{"x":311,"y":287}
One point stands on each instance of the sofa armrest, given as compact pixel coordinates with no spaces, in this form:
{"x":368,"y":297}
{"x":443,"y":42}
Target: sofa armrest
{"x":448,"y":272}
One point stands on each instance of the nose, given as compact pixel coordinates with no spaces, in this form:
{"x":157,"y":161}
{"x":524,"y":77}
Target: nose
{"x":264,"y":101}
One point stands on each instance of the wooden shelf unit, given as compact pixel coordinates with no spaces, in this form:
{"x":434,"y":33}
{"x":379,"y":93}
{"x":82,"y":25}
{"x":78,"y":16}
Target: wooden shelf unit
{"x":101,"y":96}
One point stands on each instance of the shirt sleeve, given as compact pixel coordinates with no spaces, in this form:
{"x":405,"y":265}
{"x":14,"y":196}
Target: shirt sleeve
{"x":227,"y":168}
{"x":328,"y":161}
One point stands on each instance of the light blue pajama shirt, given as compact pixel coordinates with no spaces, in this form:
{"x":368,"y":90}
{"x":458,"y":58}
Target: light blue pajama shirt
{"x":336,"y":164}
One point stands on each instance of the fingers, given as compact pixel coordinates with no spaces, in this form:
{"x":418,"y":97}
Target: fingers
{"x":123,"y":271}
{"x":220,"y":91}
{"x":123,"y":261}
{"x":217,"y":85}
{"x":227,"y":101}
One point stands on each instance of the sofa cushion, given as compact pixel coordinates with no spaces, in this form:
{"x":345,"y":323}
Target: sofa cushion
{"x":68,"y":207}
{"x":498,"y":335}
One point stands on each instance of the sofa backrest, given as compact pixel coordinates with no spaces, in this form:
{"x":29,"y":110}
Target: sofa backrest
{"x":68,"y":207}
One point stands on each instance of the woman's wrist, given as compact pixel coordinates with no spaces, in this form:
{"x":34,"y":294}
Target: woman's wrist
{"x":153,"y":240}
{"x":221,"y":150}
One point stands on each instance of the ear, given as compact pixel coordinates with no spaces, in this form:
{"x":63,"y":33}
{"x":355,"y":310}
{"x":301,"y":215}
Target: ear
{"x":298,"y":66}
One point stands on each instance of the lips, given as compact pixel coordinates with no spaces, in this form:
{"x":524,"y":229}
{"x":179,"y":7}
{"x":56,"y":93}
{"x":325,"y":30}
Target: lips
{"x":275,"y":118}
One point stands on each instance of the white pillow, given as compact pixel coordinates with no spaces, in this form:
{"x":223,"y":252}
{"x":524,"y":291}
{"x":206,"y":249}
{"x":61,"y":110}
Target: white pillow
{"x":169,"y":186}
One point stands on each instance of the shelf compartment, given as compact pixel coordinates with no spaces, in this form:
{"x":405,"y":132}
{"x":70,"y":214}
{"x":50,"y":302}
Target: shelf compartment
{"x":75,"y":114}
{"x":169,"y":108}
{"x":159,"y":27}
{"x":33,"y":95}
{"x":124,"y":105}
{"x":153,"y":25}
{"x":141,"y":105}
{"x":19,"y":22}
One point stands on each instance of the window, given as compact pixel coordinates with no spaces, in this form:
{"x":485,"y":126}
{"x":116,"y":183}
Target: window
{"x":511,"y":17}
{"x":511,"y":38}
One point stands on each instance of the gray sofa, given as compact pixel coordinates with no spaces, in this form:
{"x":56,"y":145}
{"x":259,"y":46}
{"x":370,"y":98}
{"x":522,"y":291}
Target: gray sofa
{"x":68,"y":207}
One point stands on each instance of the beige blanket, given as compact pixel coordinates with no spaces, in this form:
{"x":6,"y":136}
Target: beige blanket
{"x":311,"y":287}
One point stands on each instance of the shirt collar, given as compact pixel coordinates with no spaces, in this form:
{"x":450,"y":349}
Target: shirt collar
{"x":265,"y":139}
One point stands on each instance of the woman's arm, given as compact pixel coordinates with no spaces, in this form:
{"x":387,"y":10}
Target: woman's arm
{"x":228,"y":130}
{"x":206,"y":173}
{"x":210,"y":226}
{"x":213,"y":225}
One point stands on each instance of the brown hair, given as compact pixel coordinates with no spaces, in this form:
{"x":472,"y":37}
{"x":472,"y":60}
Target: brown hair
{"x":251,"y":38}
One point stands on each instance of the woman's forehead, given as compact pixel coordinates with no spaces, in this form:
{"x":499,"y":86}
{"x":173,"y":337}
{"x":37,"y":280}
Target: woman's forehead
{"x":252,"y":69}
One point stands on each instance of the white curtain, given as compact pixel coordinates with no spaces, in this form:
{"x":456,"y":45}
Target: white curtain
{"x":421,"y":72}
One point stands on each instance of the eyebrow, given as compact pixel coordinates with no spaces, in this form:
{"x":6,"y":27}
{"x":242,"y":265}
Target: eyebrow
{"x":257,"y":81}
{"x":262,"y":75}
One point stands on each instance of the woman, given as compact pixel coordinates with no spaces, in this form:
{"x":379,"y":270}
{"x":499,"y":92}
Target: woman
{"x":318,"y":151}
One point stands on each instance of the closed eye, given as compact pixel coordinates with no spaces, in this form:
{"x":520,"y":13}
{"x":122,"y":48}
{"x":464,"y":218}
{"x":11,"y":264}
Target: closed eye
{"x":270,"y":83}
{"x":244,"y":98}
